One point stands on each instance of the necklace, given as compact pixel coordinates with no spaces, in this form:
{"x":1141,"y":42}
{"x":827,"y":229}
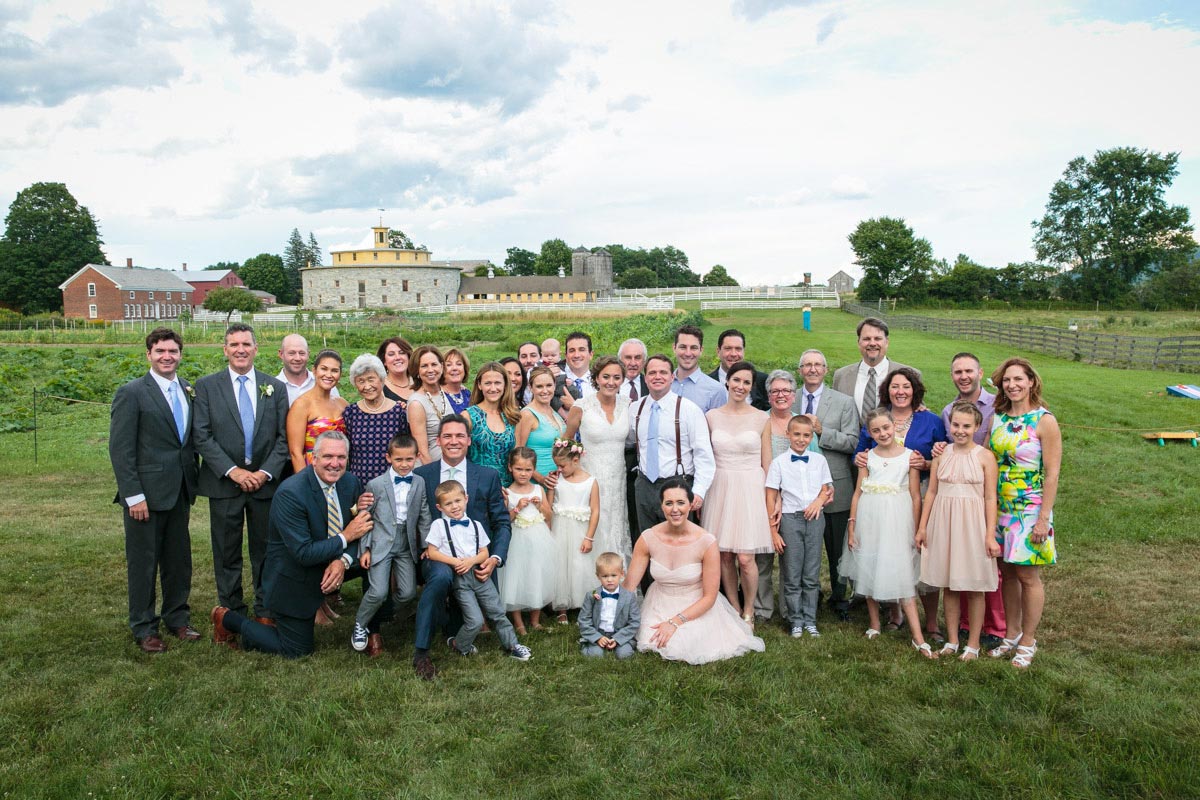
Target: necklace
{"x":455,"y":397}
{"x":373,"y":409}
{"x":441,"y":411}
{"x":901,"y":427}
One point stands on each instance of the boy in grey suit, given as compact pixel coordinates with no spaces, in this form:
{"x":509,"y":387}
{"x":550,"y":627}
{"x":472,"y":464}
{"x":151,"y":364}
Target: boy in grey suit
{"x":610,"y":616}
{"x":393,"y":547}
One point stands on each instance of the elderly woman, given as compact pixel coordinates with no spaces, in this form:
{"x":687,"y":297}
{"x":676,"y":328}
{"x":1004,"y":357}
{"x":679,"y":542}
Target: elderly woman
{"x":457,"y":369}
{"x":373,"y":420}
{"x":492,"y":420}
{"x":684,"y":615}
{"x":315,"y":411}
{"x":395,"y":354}
{"x":901,"y":393}
{"x":428,"y":403}
{"x":1028,"y":446}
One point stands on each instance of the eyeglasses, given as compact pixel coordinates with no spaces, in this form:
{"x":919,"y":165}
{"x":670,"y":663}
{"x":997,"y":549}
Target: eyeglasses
{"x":812,"y":366}
{"x":781,"y":392}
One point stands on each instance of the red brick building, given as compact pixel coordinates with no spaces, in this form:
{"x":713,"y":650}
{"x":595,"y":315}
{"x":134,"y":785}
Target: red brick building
{"x":99,"y":291}
{"x":204,"y":281}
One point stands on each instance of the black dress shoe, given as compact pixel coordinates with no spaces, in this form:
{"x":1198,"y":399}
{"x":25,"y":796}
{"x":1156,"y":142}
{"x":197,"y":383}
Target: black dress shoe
{"x":424,"y":668}
{"x":152,"y":644}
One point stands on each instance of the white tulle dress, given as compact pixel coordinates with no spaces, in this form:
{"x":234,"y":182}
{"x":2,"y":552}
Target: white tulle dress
{"x":576,"y":570}
{"x":528,"y":578}
{"x":885,"y":563}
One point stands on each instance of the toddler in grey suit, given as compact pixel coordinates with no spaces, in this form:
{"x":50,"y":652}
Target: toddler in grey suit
{"x":391,"y":550}
{"x":610,"y":615}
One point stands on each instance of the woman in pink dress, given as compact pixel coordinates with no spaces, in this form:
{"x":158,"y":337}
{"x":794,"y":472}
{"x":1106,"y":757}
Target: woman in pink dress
{"x":684,"y":615}
{"x":734,"y":508}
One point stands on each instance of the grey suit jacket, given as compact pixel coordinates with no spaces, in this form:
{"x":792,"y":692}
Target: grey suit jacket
{"x":846,"y":377}
{"x":143,"y":445}
{"x":220,"y":441}
{"x":626,"y":622}
{"x":839,"y":437}
{"x":381,"y":539}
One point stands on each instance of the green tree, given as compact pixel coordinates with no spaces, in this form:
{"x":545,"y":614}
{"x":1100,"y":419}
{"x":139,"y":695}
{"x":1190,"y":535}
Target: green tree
{"x":1026,"y":281}
{"x":265,"y":272}
{"x":895,"y":262}
{"x":399,"y":240}
{"x":233,"y":265}
{"x":638,"y":278}
{"x":230,"y":299}
{"x":296,"y":256}
{"x":965,"y":282}
{"x":482,"y":270}
{"x":314,"y":250}
{"x":1174,"y":287}
{"x":1107,"y":220}
{"x":671,"y":264}
{"x":555,"y":254}
{"x":519,"y":261}
{"x":717,"y":276}
{"x":48,"y":236}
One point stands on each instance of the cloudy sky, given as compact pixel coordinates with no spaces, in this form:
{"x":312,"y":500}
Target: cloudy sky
{"x":751,"y":133}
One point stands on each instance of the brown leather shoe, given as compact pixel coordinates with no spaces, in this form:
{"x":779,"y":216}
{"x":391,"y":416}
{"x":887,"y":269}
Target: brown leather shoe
{"x":424,"y":668}
{"x":325,"y":615}
{"x":265,"y":621}
{"x":374,"y":645}
{"x":152,"y":644}
{"x":221,"y":634}
{"x":186,"y":634}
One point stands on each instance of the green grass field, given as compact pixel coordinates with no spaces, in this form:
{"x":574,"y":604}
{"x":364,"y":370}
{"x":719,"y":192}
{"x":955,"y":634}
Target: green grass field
{"x":1109,"y":708}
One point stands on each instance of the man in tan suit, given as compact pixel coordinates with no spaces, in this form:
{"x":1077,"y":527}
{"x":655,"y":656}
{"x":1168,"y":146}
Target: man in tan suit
{"x":863,"y":379}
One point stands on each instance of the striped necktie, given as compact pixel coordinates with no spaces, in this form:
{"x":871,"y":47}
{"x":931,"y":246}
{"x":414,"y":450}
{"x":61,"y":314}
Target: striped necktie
{"x":333,"y":514}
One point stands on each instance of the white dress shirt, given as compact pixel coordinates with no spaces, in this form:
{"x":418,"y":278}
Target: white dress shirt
{"x":585,"y":382}
{"x":441,"y":532}
{"x":798,"y":482}
{"x":401,"y":491}
{"x":251,"y":389}
{"x":696,"y":448}
{"x":860,"y":386}
{"x":608,"y":612}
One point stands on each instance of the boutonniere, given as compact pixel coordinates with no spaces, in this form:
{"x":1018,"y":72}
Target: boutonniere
{"x":595,"y":595}
{"x":191,"y":393}
{"x":354,"y":510}
{"x":266,"y":389}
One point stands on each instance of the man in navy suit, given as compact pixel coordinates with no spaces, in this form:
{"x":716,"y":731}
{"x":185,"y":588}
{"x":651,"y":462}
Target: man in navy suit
{"x":150,"y":446}
{"x":240,"y":431}
{"x":312,"y":525}
{"x":731,"y":348}
{"x":485,"y":505}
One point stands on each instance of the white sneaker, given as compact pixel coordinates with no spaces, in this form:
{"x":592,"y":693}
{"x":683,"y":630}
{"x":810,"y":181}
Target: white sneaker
{"x":812,"y":631}
{"x":358,"y":639}
{"x":797,"y":632}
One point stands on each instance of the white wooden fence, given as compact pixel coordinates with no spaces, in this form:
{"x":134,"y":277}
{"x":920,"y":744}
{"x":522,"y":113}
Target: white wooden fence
{"x":824,"y":302}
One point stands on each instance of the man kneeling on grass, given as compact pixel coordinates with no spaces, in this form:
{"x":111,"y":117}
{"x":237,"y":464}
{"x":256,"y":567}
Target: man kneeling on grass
{"x":308,"y":551}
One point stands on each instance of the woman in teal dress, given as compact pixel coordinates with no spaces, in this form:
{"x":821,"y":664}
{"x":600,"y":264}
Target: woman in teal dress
{"x":1027,"y":443}
{"x":540,"y":425}
{"x":492,"y":418}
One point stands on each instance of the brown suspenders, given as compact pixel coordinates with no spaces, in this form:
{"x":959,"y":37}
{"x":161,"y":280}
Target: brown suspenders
{"x":637,"y":421}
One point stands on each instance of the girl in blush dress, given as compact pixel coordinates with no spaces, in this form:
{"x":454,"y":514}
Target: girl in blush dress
{"x":881,"y":556}
{"x":576,"y":499}
{"x":684,"y":615}
{"x":527,"y":581}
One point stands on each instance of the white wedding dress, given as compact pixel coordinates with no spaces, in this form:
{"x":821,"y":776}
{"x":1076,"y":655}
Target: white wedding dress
{"x":604,"y":458}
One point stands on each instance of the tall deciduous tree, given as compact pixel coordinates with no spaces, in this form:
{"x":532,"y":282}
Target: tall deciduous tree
{"x":48,"y":236}
{"x":895,"y":262}
{"x":519,"y":261}
{"x":638,"y":278}
{"x":1107,"y":219}
{"x":265,"y":272}
{"x":717,"y":276}
{"x":399,"y":240}
{"x":230,"y":299}
{"x":555,"y":255}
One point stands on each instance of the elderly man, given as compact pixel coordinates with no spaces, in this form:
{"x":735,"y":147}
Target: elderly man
{"x":731,"y":348}
{"x":313,"y":523}
{"x":150,"y":446}
{"x":689,"y":382}
{"x":863,"y":379}
{"x":240,"y":432}
{"x":632,"y":355}
{"x":296,"y":375}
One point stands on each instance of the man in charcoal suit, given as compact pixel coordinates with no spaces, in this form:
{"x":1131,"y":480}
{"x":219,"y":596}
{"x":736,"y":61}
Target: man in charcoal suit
{"x":316,"y":517}
{"x":731,"y":348}
{"x":150,"y":446}
{"x":240,"y":433}
{"x":485,"y":505}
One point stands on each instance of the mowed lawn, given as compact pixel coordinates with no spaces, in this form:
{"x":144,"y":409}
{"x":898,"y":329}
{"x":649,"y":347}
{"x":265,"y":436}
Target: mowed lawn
{"x":1109,"y":708}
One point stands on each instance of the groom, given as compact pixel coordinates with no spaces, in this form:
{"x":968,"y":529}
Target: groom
{"x":485,"y":505}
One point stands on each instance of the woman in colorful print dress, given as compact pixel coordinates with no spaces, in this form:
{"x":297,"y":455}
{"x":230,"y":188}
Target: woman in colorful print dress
{"x":316,"y":411}
{"x":1028,"y":446}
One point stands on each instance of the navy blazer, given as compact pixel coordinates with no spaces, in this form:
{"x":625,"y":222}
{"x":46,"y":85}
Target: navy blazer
{"x":926,"y":428}
{"x":485,"y":502}
{"x":298,"y":545}
{"x":219,"y":439}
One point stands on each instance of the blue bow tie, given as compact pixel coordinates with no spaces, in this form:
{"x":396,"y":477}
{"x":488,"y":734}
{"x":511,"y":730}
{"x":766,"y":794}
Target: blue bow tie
{"x":614,"y":595}
{"x":396,"y":479}
{"x":462,"y":522}
{"x":799,"y":458}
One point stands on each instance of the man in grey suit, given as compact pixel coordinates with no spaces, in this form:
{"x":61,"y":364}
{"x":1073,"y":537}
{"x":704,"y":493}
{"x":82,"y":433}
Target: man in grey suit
{"x":392,"y":551}
{"x":150,"y":446}
{"x":240,"y":433}
{"x":863,"y":379}
{"x":836,"y":425}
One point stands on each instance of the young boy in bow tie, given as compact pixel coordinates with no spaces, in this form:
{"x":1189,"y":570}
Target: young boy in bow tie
{"x":461,"y":542}
{"x":610,"y":616}
{"x":798,"y":487}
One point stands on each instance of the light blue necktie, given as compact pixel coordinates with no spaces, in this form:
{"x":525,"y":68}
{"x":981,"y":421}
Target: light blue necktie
{"x":246,"y":410}
{"x":177,"y":411}
{"x":652,"y":444}
{"x":579,"y":385}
